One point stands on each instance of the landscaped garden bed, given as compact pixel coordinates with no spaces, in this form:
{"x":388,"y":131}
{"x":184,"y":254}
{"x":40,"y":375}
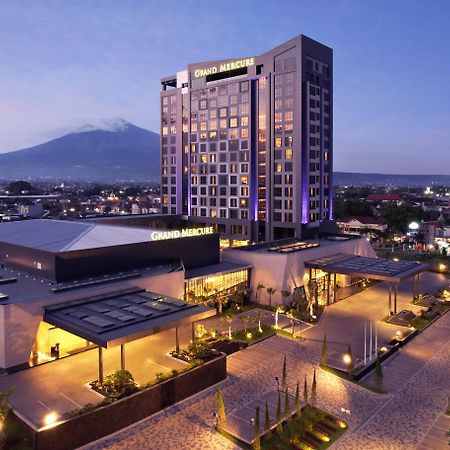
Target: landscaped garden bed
{"x":312,"y":429}
{"x":122,"y":408}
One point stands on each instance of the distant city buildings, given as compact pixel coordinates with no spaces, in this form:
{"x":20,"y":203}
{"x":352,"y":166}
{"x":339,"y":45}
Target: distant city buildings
{"x":247,"y":143}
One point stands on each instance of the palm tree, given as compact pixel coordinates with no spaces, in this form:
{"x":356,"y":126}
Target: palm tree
{"x":270,"y":291}
{"x":279,"y":309}
{"x":259,"y":315}
{"x":258,"y":288}
{"x":228,"y":318}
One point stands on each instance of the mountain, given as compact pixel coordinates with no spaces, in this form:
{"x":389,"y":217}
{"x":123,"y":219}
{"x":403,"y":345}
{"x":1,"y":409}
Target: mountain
{"x":107,"y":151}
{"x":382,"y":179}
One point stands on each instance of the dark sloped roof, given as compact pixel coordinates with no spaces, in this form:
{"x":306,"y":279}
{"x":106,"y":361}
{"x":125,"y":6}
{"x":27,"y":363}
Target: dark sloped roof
{"x":118,"y":317}
{"x":59,"y":235}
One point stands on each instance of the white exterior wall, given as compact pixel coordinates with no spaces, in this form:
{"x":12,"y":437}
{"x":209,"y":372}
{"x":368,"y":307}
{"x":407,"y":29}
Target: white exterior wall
{"x":286,"y":271}
{"x":19,"y":322}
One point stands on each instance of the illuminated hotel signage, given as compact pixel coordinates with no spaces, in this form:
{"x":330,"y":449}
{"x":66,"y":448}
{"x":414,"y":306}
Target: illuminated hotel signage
{"x":232,"y":65}
{"x":175,"y":234}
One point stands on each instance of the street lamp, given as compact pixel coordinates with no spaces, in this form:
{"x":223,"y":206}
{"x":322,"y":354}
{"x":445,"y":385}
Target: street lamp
{"x":347,"y":359}
{"x":278,"y":383}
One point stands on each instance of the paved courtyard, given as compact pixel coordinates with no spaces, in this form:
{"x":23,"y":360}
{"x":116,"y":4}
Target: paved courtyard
{"x":398,"y":420}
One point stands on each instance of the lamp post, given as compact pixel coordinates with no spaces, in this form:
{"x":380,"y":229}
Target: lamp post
{"x":252,"y":422}
{"x":278,"y":383}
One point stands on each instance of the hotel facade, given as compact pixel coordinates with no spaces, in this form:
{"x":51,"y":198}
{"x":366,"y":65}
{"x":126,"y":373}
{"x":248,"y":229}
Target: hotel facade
{"x":247,"y":143}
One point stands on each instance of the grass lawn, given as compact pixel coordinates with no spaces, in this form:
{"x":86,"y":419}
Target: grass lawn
{"x":345,"y":376}
{"x":313,"y":426}
{"x":12,"y":435}
{"x":420,"y":323}
{"x":252,"y":335}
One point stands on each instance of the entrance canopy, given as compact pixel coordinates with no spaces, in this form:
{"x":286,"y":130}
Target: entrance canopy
{"x":118,"y":317}
{"x":365,"y":267}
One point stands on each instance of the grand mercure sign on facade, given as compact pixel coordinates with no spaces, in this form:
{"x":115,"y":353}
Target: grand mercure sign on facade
{"x":175,"y":234}
{"x":232,"y":65}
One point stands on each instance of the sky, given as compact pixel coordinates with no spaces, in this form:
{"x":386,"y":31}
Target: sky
{"x":67,"y":63}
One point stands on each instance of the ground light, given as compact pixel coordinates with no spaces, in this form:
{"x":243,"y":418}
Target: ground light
{"x":347,"y":358}
{"x":442,"y":267}
{"x":249,"y":335}
{"x":50,"y":419}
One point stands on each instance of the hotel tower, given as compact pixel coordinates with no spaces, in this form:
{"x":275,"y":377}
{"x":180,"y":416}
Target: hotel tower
{"x":247,"y":143}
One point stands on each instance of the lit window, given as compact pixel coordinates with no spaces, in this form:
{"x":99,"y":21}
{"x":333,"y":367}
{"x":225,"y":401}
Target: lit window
{"x":278,"y":142}
{"x":164,"y":131}
{"x":233,"y":134}
{"x":244,"y":121}
{"x":289,"y":153}
{"x":278,"y":117}
{"x":288,"y":116}
{"x":194,"y":126}
{"x":213,"y":125}
{"x":244,"y":133}
{"x":244,"y":179}
{"x":233,"y":122}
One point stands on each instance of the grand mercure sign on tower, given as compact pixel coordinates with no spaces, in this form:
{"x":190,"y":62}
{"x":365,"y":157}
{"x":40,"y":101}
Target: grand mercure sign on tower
{"x":247,"y":142}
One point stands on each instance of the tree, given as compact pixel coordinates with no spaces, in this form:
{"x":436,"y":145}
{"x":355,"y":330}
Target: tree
{"x":314,"y":388}
{"x":267,"y":422}
{"x":285,"y":295}
{"x":245,"y":319}
{"x":256,"y":445}
{"x":259,"y":286}
{"x":324,"y":358}
{"x":378,"y":372}
{"x":291,"y":315}
{"x":258,"y":317}
{"x":305,"y":392}
{"x":279,"y":421}
{"x":270,"y":291}
{"x":221,"y":414}
{"x":284,"y":374}
{"x":287,"y":407}
{"x":351,"y":364}
{"x":278,"y":310}
{"x":298,"y":405}
{"x":313,"y":291}
{"x":4,"y":405}
{"x":229,"y":319}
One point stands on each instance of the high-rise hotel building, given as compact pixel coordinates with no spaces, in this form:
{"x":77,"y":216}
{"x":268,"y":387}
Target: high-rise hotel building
{"x":247,"y":143}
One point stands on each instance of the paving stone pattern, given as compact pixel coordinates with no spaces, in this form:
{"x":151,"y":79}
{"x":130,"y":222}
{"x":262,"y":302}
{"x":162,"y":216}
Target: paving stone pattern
{"x":397,"y":421}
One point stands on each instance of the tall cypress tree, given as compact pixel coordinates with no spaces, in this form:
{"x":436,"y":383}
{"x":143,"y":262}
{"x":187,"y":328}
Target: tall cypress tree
{"x":305,"y":392}
{"x":298,"y":405}
{"x":287,"y":406}
{"x":378,"y":372}
{"x":221,"y":414}
{"x":279,"y":424}
{"x":257,"y":432}
{"x":324,"y":358}
{"x":284,"y":378}
{"x":351,"y":366}
{"x":267,"y":422}
{"x":314,"y":388}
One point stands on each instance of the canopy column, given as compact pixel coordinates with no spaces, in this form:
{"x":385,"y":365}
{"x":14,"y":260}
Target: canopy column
{"x":100,"y":364}
{"x":395,"y":298}
{"x":390,"y":299}
{"x":177,"y":340}
{"x":122,"y":356}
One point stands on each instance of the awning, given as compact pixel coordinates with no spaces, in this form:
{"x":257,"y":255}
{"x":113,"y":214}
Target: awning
{"x":119,"y":317}
{"x":365,"y":267}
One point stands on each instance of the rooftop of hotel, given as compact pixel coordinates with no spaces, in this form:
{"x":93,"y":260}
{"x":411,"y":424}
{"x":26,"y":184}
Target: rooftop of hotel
{"x":63,"y":236}
{"x":291,"y":245}
{"x":17,"y":286}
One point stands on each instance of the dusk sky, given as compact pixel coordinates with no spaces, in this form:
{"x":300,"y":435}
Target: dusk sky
{"x":64,"y":64}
